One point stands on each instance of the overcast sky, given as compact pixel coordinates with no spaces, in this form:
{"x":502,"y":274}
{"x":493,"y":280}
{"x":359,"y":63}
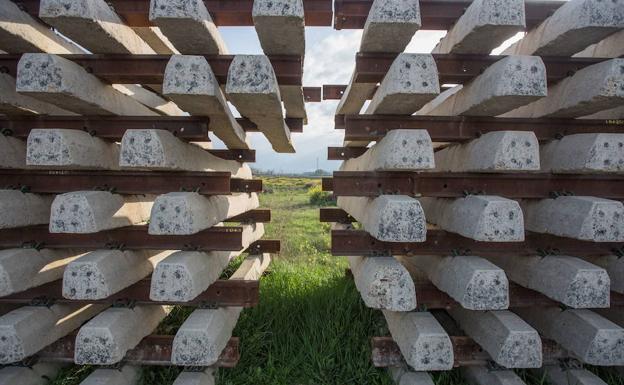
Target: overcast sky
{"x":330,"y":59}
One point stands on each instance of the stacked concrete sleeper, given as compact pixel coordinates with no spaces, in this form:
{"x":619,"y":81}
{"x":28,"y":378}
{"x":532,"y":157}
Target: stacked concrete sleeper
{"x":48,"y":84}
{"x":584,"y":324}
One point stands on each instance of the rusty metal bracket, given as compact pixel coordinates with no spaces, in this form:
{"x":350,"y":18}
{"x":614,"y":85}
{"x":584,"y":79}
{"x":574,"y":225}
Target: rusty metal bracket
{"x":454,"y":185}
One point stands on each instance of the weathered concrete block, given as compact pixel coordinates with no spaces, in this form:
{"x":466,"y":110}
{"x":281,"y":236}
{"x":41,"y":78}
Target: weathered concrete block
{"x":505,"y":85}
{"x":127,"y":375}
{"x":557,"y":375}
{"x":14,"y":103}
{"x":383,"y":283}
{"x":59,"y":81}
{"x":84,"y":212}
{"x":390,"y":218}
{"x":399,"y":150}
{"x":21,"y":269}
{"x":161,"y":150}
{"x":472,"y":281}
{"x":12,"y":152}
{"x":94,"y":25}
{"x":614,"y":266}
{"x":196,"y":378}
{"x":584,"y":153}
{"x":181,"y":213}
{"x":590,"y":90}
{"x":410,"y":83}
{"x":203,"y":336}
{"x":106,"y":338}
{"x":585,"y":218}
{"x":26,"y":330}
{"x":37,"y":374}
{"x":482,"y":375}
{"x":280,"y":26}
{"x":591,"y":338}
{"x":179,"y":19}
{"x":423,"y":342}
{"x":62,"y":148}
{"x":184,"y":275}
{"x":252,"y":87}
{"x":611,"y":46}
{"x":190,"y":82}
{"x":150,"y":98}
{"x":402,"y":376}
{"x":499,"y":151}
{"x":102,"y":273}
{"x":485,"y":25}
{"x":18,"y":209}
{"x":390,"y":25}
{"x":21,"y":33}
{"x":294,"y":102}
{"x":509,"y":340}
{"x":480,"y":217}
{"x":155,"y":39}
{"x":571,"y":28}
{"x":569,"y":280}
{"x":354,"y":97}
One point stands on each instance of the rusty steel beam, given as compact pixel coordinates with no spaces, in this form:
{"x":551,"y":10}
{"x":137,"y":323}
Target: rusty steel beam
{"x":150,"y":69}
{"x":192,"y":128}
{"x":464,"y":128}
{"x":435,"y":14}
{"x":386,"y":353}
{"x":335,"y":215}
{"x":241,"y":155}
{"x":271,"y":246}
{"x":152,"y":350}
{"x":452,"y":185}
{"x":335,"y":91}
{"x":221,"y":293}
{"x":230,"y":13}
{"x":439,"y":242}
{"x":135,"y":237}
{"x":460,"y":68}
{"x":312,"y":94}
{"x":344,"y":153}
{"x":126,"y":182}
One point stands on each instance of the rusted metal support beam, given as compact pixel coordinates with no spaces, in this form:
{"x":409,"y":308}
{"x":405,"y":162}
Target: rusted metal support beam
{"x":126,"y":182}
{"x":452,"y":68}
{"x":435,"y":14}
{"x":335,"y":215}
{"x":221,"y":293}
{"x":241,"y":155}
{"x":271,"y":246}
{"x":152,"y":350}
{"x":192,"y":128}
{"x":150,"y":69}
{"x":131,"y":237}
{"x":464,"y":128}
{"x":231,"y":13}
{"x":312,"y":94}
{"x":439,"y":242}
{"x":386,"y":353}
{"x":344,"y":153}
{"x":451,"y":185}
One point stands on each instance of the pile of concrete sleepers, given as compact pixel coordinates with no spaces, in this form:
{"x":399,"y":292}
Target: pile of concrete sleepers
{"x":113,"y":200}
{"x":491,"y":223}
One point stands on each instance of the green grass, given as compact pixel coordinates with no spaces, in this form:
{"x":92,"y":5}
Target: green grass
{"x":311,"y":326}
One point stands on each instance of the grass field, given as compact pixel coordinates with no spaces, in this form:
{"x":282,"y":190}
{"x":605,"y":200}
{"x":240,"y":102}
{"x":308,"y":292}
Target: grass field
{"x":310,"y":327}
